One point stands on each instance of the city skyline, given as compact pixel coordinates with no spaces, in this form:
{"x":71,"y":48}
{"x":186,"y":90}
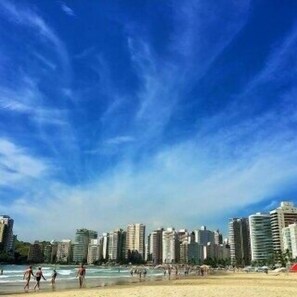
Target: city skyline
{"x":166,"y":113}
{"x":258,"y":238}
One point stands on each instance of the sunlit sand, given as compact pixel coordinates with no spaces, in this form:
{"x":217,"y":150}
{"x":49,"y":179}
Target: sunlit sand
{"x":229,"y":284}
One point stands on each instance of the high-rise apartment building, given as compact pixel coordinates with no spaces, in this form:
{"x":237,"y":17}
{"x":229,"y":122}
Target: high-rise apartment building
{"x":280,"y":218}
{"x":50,"y":252}
{"x":183,"y":252}
{"x":35,"y":254}
{"x":80,"y":246}
{"x":64,"y":251}
{"x":218,"y":237}
{"x":183,"y":237}
{"x":195,"y":251}
{"x":135,"y":242}
{"x":239,"y":237}
{"x":93,"y":251}
{"x":287,"y":243}
{"x":2,"y":235}
{"x":155,"y":246}
{"x":261,"y":237}
{"x":7,"y":242}
{"x":290,"y":239}
{"x":170,"y":246}
{"x":116,"y":245}
{"x":216,"y":251}
{"x":104,"y":246}
{"x":203,"y":236}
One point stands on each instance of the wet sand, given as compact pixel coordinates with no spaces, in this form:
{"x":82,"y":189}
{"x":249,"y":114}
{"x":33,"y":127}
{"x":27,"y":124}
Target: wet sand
{"x":223,"y":285}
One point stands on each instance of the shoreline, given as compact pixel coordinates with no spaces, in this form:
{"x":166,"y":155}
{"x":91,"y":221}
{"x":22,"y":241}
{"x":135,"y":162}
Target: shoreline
{"x":91,"y":283}
{"x":218,"y":284}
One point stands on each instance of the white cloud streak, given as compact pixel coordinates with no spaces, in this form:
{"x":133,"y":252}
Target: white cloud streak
{"x":17,"y":166}
{"x":27,"y":99}
{"x":28,"y":18}
{"x":67,"y":10}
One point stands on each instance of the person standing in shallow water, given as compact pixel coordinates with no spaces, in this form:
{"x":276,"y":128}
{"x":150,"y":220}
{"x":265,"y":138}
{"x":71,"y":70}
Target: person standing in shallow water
{"x":81,"y":273}
{"x":27,"y":277}
{"x":53,"y":281}
{"x":38,"y":276}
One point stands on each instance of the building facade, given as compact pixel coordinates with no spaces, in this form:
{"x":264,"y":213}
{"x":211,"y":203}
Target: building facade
{"x":80,"y":246}
{"x":64,"y":251}
{"x":280,"y":218}
{"x":170,"y":246}
{"x":290,"y":239}
{"x":116,"y":246}
{"x":204,"y":236}
{"x":135,"y":242}
{"x":261,"y":237}
{"x":239,"y":236}
{"x":104,"y":246}
{"x":93,"y":251}
{"x":7,"y":242}
{"x":35,"y":254}
{"x":155,"y":246}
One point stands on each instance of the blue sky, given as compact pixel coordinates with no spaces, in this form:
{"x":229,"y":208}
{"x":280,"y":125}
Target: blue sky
{"x":169,"y":113}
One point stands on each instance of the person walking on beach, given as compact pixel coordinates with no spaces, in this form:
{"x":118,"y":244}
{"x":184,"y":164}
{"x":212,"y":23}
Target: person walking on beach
{"x":81,"y":273}
{"x":27,"y":277}
{"x":53,"y":281}
{"x":38,"y":276}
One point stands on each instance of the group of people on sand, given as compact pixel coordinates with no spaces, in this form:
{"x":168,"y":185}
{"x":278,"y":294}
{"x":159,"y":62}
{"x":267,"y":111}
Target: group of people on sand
{"x":81,"y":273}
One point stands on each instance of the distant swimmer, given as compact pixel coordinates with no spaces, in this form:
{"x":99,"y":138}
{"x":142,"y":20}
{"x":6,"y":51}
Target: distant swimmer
{"x":81,"y":273}
{"x":27,"y":277}
{"x":38,"y":276}
{"x":54,"y":276}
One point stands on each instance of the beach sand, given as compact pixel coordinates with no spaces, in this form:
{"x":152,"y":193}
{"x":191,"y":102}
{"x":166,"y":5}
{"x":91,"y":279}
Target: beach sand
{"x":223,"y":285}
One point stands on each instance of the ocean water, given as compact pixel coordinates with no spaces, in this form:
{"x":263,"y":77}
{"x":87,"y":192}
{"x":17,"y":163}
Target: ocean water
{"x":12,"y":279}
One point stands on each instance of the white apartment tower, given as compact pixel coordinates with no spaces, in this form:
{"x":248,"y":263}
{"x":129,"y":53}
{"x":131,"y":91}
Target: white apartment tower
{"x":287,"y":243}
{"x":93,"y":251}
{"x":64,"y":251}
{"x":135,"y":240}
{"x":280,"y":218}
{"x":261,"y":237}
{"x":116,"y":245}
{"x":104,"y":246}
{"x":170,"y":246}
{"x":290,"y":239}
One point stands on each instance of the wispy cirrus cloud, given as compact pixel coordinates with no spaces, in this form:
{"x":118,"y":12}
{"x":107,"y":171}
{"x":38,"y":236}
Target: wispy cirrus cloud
{"x":120,"y":140}
{"x":17,"y":165}
{"x":140,"y":152}
{"x":187,"y":180}
{"x":23,"y":16}
{"x":67,"y":10}
{"x":28,"y":100}
{"x":276,"y":65}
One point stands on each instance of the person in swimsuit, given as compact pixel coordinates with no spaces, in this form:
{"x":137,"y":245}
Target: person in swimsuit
{"x":81,"y":273}
{"x":27,"y":277}
{"x":38,"y":276}
{"x":53,"y":281}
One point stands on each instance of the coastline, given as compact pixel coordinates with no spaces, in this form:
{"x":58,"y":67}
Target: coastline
{"x":215,"y":285}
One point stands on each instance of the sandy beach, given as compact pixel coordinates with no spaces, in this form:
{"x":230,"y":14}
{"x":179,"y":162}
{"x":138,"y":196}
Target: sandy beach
{"x":229,"y":284}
